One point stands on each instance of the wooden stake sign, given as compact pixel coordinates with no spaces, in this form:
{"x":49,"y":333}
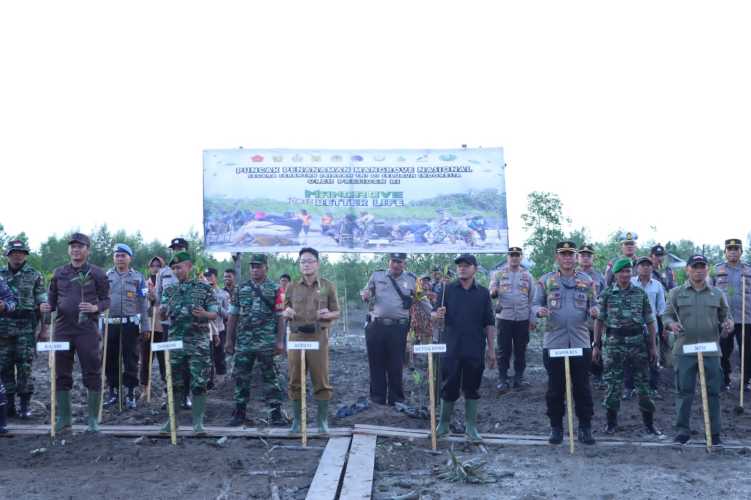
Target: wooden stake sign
{"x":303,"y":346}
{"x":430,"y":349}
{"x":699,"y":349}
{"x":566,"y":354}
{"x":167,"y":347}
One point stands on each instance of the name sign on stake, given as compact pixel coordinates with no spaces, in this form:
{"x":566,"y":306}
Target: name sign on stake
{"x":700,"y":347}
{"x":426,"y":348}
{"x":298,"y":345}
{"x":53,"y":346}
{"x":562,"y":353}
{"x":167,"y":346}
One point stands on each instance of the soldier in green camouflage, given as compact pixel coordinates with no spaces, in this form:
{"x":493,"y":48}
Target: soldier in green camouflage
{"x":624,"y":311}
{"x":255,"y":333}
{"x":190,"y":305}
{"x":17,"y":329}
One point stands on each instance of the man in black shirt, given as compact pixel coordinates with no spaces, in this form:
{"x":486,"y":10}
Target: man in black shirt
{"x":469,"y":321}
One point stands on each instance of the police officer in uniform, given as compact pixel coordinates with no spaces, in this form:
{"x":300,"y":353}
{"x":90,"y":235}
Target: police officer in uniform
{"x":628,"y":251}
{"x":585,"y":259}
{"x":567,"y":298}
{"x":129,"y":314}
{"x":392,"y":293}
{"x":18,"y":328}
{"x":513,"y":286}
{"x":728,"y":276}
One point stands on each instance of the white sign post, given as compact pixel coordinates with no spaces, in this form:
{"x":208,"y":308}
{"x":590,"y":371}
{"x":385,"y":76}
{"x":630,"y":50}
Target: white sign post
{"x":566,"y":354}
{"x":699,"y":349}
{"x":430,"y":349}
{"x":167,"y":347}
{"x":302,"y":346}
{"x":51,"y":347}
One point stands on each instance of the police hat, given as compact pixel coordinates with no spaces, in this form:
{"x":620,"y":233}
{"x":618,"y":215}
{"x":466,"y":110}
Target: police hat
{"x":697,"y":259}
{"x":467,"y":259}
{"x":644,"y":260}
{"x":657,"y":250}
{"x":733,"y":243}
{"x":122,"y":247}
{"x":180,"y":257}
{"x":259,"y":258}
{"x":516,"y":250}
{"x":586,"y":248}
{"x":178,"y":242}
{"x":629,"y":237}
{"x":565,"y":246}
{"x":16,"y":246}
{"x":79,"y":238}
{"x":398,"y":256}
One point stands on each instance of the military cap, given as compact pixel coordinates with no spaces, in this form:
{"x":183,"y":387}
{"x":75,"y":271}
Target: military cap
{"x":733,"y":242}
{"x":16,"y":246}
{"x":657,"y":250}
{"x":259,"y":258}
{"x":467,"y":259}
{"x":586,"y":248}
{"x":697,"y":259}
{"x":565,"y":246}
{"x":644,"y":260}
{"x":79,"y":238}
{"x":180,"y":257}
{"x":178,"y":242}
{"x":398,"y":256}
{"x":622,"y":264}
{"x":514,"y":250}
{"x":122,"y":247}
{"x":629,"y":237}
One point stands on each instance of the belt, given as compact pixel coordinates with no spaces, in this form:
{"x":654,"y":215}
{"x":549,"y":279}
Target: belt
{"x":390,"y":322}
{"x":625,"y":332}
{"x":124,"y":320}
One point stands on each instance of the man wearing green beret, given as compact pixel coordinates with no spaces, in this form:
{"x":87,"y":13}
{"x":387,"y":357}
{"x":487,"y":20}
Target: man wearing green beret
{"x":190,"y":305}
{"x":624,"y":311}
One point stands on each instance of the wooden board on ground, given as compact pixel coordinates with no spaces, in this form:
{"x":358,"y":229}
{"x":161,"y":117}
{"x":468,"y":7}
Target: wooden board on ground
{"x":358,"y":479}
{"x":325,"y":483}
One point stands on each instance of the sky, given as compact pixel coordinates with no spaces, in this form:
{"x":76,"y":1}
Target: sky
{"x":637,"y":114}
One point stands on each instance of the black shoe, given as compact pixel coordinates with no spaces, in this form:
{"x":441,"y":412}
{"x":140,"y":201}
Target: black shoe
{"x":111,"y":398}
{"x":681,"y":438}
{"x":10,"y":407}
{"x":716,"y":441}
{"x":130,"y":402}
{"x":612,"y":424}
{"x":25,"y":411}
{"x":649,"y":425}
{"x":186,"y":403}
{"x":517,"y":382}
{"x":585,"y":435}
{"x":277,"y":416}
{"x":726,"y":386}
{"x":502,"y":386}
{"x":238,"y":417}
{"x":556,"y":435}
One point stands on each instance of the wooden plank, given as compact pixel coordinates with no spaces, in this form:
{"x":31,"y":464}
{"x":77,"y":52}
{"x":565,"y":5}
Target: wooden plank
{"x":325,"y":483}
{"x":358,"y":479}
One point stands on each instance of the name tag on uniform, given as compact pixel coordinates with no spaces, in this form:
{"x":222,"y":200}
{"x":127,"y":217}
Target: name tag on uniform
{"x":426,"y":348}
{"x":563,"y":353}
{"x":53,"y":346}
{"x":167,"y":346}
{"x":700,"y":347}
{"x":299,"y":345}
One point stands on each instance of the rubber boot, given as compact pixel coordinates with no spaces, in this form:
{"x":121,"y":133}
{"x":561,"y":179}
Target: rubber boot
{"x":556,"y":434}
{"x":238,"y":416}
{"x":296,"y":416}
{"x":63,"y":419}
{"x":323,"y":416}
{"x":444,"y":422}
{"x":470,"y":421}
{"x":25,"y":411}
{"x":93,"y":405}
{"x":612,"y":424}
{"x":649,"y":424}
{"x":197,"y":411}
{"x":277,"y":416}
{"x":585,"y":434}
{"x":10,"y":406}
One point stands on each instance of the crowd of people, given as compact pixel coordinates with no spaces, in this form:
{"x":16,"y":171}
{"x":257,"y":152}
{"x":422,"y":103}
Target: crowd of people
{"x":630,"y":323}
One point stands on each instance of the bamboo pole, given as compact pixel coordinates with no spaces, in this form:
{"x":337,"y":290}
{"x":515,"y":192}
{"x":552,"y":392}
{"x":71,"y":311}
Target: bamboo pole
{"x":431,"y":388}
{"x":104,"y":363}
{"x":170,"y":399}
{"x":569,"y":405}
{"x":704,"y":402}
{"x":304,"y":411}
{"x":151,"y":355}
{"x":53,"y":378}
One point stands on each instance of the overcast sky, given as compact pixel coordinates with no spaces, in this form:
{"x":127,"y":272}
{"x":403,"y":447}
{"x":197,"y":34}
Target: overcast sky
{"x":636,"y":113}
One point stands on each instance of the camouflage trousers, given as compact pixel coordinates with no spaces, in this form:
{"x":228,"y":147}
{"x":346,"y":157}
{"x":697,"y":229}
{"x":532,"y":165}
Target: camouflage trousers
{"x":194,"y":358}
{"x":242,"y":373}
{"x":621,"y":352}
{"x":16,"y":355}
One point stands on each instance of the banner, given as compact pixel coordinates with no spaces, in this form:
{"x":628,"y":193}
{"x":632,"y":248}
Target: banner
{"x":428,"y":201}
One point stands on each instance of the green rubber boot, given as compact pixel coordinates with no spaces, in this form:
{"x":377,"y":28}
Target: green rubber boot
{"x":470,"y":421}
{"x":63,"y":420}
{"x":444,"y":422}
{"x":93,"y":404}
{"x":296,"y":416}
{"x":166,"y":429}
{"x":323,"y":416}
{"x":198,"y":410}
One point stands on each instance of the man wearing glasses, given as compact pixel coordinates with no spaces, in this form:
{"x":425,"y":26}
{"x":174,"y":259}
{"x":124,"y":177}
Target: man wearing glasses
{"x":310,"y":306}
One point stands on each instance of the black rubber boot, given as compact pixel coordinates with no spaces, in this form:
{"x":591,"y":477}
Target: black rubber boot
{"x":24,"y":411}
{"x":238,"y":417}
{"x":111,"y":398}
{"x":277,"y":415}
{"x":556,"y":434}
{"x":585,"y":434}
{"x":612,"y":424}
{"x":503,"y":385}
{"x":10,"y":406}
{"x":649,"y":425}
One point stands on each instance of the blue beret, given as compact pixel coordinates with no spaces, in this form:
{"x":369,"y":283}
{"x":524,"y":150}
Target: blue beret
{"x":122,"y":247}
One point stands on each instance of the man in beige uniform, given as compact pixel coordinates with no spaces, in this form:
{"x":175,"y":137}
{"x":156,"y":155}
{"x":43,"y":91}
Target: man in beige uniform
{"x":311,"y":307}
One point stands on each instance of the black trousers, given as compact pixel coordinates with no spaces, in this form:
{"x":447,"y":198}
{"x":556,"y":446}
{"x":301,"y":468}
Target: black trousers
{"x":220,"y":363}
{"x":461,"y":374}
{"x":145,"y":350}
{"x":86,"y":346}
{"x":555,"y":397}
{"x":513,"y":337}
{"x":727,"y":345}
{"x":595,"y":368}
{"x":130,"y":354}
{"x":386,"y":346}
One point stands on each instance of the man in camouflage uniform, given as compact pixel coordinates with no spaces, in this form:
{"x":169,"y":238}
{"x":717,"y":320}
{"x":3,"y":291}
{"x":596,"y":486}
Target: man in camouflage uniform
{"x":585,"y":260}
{"x":17,"y":329}
{"x":190,"y":305}
{"x":256,"y":333}
{"x":7,"y":305}
{"x":624,"y":310}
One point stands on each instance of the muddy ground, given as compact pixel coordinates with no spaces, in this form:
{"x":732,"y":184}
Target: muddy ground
{"x":81,"y":466}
